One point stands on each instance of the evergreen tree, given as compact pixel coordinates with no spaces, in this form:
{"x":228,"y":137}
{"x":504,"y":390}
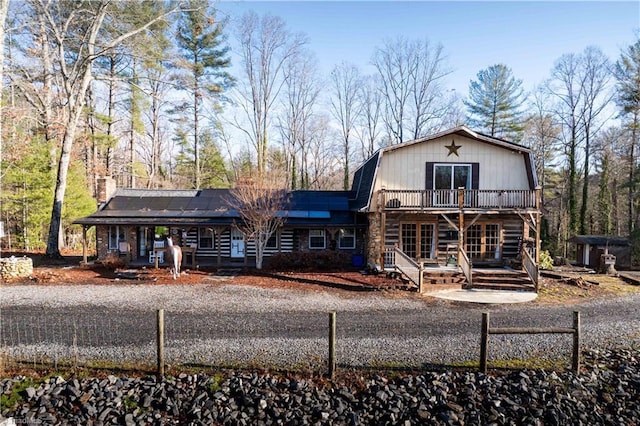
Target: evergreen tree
{"x":627,"y":74}
{"x":494,"y":103}
{"x":204,"y":59}
{"x":28,"y":184}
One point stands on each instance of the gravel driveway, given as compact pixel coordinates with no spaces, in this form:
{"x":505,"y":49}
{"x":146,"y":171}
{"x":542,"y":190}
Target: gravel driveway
{"x":226,"y":324}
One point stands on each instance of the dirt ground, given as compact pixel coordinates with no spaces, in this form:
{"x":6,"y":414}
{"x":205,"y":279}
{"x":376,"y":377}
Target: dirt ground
{"x":69,"y":271}
{"x":576,"y":285}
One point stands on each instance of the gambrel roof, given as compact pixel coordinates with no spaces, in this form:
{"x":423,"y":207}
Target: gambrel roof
{"x":365,"y":175}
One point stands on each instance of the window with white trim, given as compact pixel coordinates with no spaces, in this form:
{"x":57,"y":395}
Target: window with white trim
{"x":272,"y":242}
{"x":116,"y":235}
{"x":347,"y":239}
{"x":317,"y":239}
{"x":205,"y":238}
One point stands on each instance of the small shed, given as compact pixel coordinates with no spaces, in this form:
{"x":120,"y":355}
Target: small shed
{"x":589,"y":248}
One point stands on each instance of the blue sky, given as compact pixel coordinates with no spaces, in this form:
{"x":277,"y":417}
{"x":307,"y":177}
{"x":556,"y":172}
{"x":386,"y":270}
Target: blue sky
{"x":526,"y":36}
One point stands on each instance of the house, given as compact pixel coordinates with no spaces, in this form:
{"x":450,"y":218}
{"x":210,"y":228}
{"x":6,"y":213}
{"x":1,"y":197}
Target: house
{"x":135,"y":222}
{"x":589,"y":249}
{"x":454,"y":198}
{"x":457,"y":198}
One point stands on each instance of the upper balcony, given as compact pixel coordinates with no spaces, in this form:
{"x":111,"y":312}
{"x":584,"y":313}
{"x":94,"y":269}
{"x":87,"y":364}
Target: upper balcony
{"x":456,"y":199}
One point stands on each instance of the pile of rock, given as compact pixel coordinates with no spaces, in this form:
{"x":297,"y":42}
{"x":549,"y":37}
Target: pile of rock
{"x":606,"y":392}
{"x":15,"y":267}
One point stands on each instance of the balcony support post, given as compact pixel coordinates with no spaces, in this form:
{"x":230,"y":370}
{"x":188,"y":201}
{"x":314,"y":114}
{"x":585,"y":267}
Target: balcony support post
{"x":538,"y":227}
{"x":460,"y":224}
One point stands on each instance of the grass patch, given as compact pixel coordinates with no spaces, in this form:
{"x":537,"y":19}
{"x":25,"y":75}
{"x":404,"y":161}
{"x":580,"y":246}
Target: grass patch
{"x":12,"y":399}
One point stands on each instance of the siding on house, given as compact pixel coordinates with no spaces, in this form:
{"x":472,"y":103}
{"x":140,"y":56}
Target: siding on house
{"x":499,"y":168}
{"x":511,"y":229}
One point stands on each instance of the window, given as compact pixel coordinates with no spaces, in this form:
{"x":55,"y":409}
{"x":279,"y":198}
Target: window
{"x":272,"y":242}
{"x":205,"y":238}
{"x":347,"y":239}
{"x":116,"y":235}
{"x":452,"y":176}
{"x":316,"y":239}
{"x":445,"y":178}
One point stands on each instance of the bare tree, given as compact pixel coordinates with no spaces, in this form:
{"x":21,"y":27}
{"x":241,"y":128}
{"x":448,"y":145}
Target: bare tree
{"x":579,"y":85}
{"x":596,"y":72}
{"x":301,"y":90}
{"x":323,"y":152}
{"x":346,"y":80}
{"x":566,"y":87}
{"x":411,"y":75}
{"x":261,"y":204}
{"x":369,"y":129}
{"x":76,"y":41}
{"x":541,"y":134}
{"x":4,"y":7}
{"x":266,"y":46}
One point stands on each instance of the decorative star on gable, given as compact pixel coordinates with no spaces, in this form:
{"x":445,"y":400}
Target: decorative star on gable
{"x":453,"y":148}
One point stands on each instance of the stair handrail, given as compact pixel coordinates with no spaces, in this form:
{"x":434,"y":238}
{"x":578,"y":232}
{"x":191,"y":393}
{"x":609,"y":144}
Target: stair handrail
{"x":406,"y":265}
{"x":530,"y":267}
{"x":465,"y":266}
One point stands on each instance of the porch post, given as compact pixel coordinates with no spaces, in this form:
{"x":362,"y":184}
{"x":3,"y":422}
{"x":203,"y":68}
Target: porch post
{"x":84,"y":244}
{"x":383,"y":225}
{"x":460,"y":224}
{"x":525,"y":236}
{"x":218,"y":232}
{"x":538,"y":219}
{"x":538,"y":229}
{"x":246,"y":249}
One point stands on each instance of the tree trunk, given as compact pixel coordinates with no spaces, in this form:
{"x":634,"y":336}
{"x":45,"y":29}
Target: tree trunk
{"x":4,"y":6}
{"x":632,"y":167}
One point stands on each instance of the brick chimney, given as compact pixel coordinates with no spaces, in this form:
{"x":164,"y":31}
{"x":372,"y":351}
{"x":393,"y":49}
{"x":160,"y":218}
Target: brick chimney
{"x":106,"y":189}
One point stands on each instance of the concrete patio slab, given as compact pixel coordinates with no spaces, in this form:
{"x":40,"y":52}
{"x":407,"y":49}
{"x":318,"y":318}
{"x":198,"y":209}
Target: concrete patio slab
{"x":485,"y":296}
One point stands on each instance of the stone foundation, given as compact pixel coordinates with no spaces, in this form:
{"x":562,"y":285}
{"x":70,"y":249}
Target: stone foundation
{"x":15,"y":267}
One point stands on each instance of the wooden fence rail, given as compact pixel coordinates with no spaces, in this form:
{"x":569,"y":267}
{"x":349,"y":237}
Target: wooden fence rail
{"x":487,"y":330}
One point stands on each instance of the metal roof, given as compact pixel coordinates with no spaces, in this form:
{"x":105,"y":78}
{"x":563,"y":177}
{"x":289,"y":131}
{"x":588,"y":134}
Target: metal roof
{"x":600,"y":240}
{"x":211,"y":207}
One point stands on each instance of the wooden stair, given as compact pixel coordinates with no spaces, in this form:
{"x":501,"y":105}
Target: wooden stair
{"x":502,"y":279}
{"x":445,"y":277}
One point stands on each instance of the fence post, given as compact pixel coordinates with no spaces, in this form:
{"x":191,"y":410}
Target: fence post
{"x":484,"y":342}
{"x":576,"y":342}
{"x":332,"y":345}
{"x":420,"y":277}
{"x":160,"y":342}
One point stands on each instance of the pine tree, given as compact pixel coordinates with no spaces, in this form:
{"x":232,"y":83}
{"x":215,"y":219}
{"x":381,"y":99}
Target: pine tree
{"x":204,"y":59}
{"x":494,"y":103}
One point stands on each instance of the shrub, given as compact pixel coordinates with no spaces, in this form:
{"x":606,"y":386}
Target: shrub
{"x":327,"y":260}
{"x":546,"y":261}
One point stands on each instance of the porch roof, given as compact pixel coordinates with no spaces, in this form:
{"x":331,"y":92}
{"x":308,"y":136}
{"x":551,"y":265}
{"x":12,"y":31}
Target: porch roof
{"x":211,"y":207}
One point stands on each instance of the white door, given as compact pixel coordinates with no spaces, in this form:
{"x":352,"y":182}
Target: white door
{"x":237,"y":244}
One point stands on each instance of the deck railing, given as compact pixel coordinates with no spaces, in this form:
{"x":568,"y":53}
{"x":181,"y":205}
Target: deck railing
{"x":390,"y":257}
{"x":434,"y":199}
{"x":530,"y":266}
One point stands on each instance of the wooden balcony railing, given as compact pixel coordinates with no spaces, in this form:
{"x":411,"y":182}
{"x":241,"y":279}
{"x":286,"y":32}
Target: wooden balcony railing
{"x":434,"y":199}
